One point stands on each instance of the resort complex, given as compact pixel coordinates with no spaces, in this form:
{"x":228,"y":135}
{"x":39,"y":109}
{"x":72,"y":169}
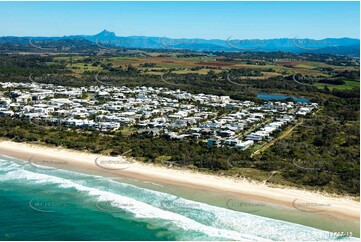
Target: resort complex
{"x":176,"y":114}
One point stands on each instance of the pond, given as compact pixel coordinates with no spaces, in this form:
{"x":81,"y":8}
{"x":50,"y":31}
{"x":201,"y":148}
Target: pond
{"x":279,"y":97}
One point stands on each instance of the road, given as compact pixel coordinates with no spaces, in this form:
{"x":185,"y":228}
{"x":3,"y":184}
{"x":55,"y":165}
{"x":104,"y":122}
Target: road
{"x":283,"y":135}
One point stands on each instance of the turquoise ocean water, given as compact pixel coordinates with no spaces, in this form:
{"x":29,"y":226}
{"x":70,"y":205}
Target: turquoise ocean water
{"x":53,"y":204}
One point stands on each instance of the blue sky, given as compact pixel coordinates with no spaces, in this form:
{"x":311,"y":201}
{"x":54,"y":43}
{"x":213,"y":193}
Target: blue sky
{"x":209,"y":20}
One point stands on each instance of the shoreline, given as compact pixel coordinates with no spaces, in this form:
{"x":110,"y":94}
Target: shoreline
{"x":340,"y":206}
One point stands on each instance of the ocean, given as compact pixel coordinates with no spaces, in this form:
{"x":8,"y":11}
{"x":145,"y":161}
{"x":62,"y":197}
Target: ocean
{"x":55,"y":204}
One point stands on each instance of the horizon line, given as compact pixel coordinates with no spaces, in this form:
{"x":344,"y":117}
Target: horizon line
{"x":64,"y":36}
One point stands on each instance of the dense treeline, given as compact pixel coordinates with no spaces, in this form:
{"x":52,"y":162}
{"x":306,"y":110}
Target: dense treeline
{"x":322,"y":153}
{"x":18,"y":68}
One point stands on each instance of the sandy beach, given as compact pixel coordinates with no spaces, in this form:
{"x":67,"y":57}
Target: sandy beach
{"x":344,"y":207}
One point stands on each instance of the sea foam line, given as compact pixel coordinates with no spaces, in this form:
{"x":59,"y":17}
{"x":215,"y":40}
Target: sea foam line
{"x":138,"y":209}
{"x":228,"y":224}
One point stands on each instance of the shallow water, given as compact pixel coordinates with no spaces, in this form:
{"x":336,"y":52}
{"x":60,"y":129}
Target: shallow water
{"x":54,"y":204}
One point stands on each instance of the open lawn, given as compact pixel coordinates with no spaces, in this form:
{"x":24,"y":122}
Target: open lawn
{"x":347,"y":86}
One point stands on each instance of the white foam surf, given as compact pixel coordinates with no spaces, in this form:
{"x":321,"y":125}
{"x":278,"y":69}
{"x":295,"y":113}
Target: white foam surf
{"x":226,"y":224}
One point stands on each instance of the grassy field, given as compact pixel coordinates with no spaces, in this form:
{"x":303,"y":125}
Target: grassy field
{"x":347,"y":86}
{"x":184,"y":65}
{"x":78,"y":68}
{"x":200,"y":72}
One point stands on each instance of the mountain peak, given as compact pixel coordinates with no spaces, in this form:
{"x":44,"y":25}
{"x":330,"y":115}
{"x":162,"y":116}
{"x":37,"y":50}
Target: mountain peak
{"x":105,"y":34}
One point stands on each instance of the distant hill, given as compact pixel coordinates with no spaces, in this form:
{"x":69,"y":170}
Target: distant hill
{"x":109,"y":40}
